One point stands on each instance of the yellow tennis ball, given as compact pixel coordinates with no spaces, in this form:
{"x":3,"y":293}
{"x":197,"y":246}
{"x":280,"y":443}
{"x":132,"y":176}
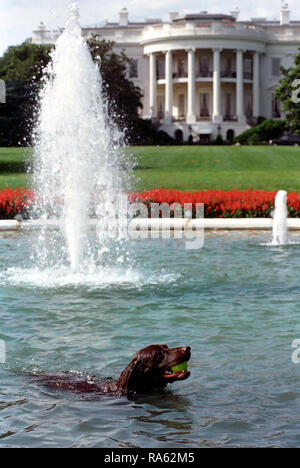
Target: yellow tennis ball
{"x":180,"y":367}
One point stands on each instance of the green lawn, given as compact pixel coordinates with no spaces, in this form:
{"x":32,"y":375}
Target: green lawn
{"x":190,"y":168}
{"x":13,"y":164}
{"x":198,"y":167}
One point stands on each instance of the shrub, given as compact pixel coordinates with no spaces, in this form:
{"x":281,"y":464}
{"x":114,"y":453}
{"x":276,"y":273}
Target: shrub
{"x":145,"y":133}
{"x":190,"y":140}
{"x":260,"y":120}
{"x":268,"y":130}
{"x":219,"y":140}
{"x":254,"y":140}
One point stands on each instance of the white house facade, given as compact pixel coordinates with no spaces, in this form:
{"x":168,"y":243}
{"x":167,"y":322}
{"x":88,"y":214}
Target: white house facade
{"x":202,"y":74}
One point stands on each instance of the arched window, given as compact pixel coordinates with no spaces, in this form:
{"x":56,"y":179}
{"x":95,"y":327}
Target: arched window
{"x":230,"y":136}
{"x":179,"y":137}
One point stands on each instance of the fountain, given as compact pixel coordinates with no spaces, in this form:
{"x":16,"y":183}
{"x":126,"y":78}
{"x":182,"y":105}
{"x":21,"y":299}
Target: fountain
{"x":79,"y":163}
{"x":280,"y":229}
{"x":76,"y":302}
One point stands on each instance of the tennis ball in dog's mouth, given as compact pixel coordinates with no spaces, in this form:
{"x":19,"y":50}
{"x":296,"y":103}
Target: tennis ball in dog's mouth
{"x":181,"y":367}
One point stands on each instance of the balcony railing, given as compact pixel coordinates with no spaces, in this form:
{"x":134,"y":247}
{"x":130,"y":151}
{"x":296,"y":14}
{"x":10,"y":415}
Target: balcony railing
{"x":179,"y":118}
{"x":180,"y":74}
{"x":248,"y":76}
{"x":205,"y":74}
{"x":208,"y":74}
{"x":230,"y":118}
{"x":201,"y":118}
{"x":210,"y":29}
{"x":228,"y":74}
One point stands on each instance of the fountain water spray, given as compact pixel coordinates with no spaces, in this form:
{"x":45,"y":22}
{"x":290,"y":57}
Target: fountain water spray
{"x":280,"y":228}
{"x":79,"y":164}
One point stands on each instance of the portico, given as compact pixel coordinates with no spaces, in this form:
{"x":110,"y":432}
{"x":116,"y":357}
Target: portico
{"x":210,"y":85}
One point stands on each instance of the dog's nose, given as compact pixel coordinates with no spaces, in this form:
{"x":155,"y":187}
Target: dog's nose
{"x":186,"y":349}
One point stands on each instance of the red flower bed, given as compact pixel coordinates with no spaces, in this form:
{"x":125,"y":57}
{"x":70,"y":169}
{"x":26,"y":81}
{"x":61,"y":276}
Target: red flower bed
{"x":14,"y":202}
{"x":217,"y":203}
{"x":222,"y":204}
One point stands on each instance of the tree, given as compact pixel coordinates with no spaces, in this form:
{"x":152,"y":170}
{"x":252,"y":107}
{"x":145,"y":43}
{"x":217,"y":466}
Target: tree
{"x":124,"y":98}
{"x":21,"y":67}
{"x":24,"y":63}
{"x":285,"y":93}
{"x":16,"y":116}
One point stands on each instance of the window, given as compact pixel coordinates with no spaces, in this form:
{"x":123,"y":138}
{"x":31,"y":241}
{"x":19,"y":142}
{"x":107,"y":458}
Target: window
{"x":160,"y":69}
{"x":276,"y":64}
{"x":228,"y":68}
{"x":204,"y":66}
{"x":248,"y":69}
{"x":276,"y":111}
{"x":161,"y":107}
{"x":134,"y":69}
{"x":204,"y":105}
{"x":229,"y":73}
{"x":228,"y":110}
{"x":228,"y":65}
{"x":181,"y":106}
{"x":181,"y":68}
{"x":249,"y":105}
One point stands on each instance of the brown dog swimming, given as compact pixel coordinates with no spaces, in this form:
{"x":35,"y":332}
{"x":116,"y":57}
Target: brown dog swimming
{"x":149,"y":370}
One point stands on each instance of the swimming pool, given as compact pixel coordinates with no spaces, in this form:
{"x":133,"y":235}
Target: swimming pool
{"x":235,"y":302}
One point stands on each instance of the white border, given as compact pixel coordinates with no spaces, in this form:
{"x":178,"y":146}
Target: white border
{"x":167,"y":224}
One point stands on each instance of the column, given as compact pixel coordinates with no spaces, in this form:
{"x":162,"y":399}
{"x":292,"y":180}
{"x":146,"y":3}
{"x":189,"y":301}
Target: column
{"x":240,"y":108}
{"x":169,"y":88}
{"x":256,"y":90}
{"x":153,"y":87}
{"x":217,"y":112}
{"x":191,"y":115}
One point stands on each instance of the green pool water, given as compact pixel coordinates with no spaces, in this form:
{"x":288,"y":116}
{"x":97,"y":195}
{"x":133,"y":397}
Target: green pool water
{"x":235,"y":302}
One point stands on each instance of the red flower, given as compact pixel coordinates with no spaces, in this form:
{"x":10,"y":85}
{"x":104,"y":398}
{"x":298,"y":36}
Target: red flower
{"x":247,"y":203}
{"x":217,"y":203}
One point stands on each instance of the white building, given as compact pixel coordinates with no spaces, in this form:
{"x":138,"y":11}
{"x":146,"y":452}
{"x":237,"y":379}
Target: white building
{"x":203,"y":74}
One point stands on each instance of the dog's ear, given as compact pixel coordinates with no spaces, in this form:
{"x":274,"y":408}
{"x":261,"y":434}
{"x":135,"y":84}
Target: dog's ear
{"x":140,"y":367}
{"x":143,"y":365}
{"x":131,"y":374}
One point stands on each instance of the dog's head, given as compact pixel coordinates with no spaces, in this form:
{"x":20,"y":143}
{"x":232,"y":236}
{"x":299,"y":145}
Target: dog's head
{"x":150,"y":369}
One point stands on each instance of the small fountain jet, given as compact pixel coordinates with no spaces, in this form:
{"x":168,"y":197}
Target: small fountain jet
{"x":280,"y":228}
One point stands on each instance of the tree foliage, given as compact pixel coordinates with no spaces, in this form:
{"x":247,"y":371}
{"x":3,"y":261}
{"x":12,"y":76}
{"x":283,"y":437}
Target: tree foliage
{"x":123,"y":97}
{"x":268,"y":130}
{"x":17,"y":115}
{"x":24,"y":63}
{"x":285,"y":92}
{"x":21,"y":68}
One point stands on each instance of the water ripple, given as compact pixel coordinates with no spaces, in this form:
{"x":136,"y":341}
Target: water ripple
{"x":235,"y":302}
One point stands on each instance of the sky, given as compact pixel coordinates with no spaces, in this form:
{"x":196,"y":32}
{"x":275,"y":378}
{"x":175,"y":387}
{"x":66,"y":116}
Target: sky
{"x":20,"y":17}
